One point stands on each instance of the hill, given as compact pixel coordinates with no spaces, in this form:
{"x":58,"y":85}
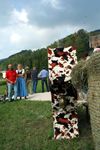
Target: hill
{"x":38,"y":58}
{"x":27,"y":58}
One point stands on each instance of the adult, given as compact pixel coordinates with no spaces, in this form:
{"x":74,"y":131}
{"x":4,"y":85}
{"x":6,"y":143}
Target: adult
{"x":21,"y":83}
{"x":28,"y":80}
{"x":11,"y":77}
{"x":34,"y":75}
{"x":44,"y":76}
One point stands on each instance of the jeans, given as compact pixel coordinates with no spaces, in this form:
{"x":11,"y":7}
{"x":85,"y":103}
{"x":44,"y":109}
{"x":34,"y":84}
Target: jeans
{"x":12,"y":90}
{"x":44,"y":82}
{"x":35,"y":81}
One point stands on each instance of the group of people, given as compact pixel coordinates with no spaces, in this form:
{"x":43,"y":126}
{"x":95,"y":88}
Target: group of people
{"x":21,"y":82}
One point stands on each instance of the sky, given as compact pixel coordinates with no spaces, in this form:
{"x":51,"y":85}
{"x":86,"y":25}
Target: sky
{"x":33,"y":24}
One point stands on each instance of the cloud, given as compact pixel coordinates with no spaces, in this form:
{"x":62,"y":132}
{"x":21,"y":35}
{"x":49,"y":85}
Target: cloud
{"x":54,"y":3}
{"x":35,"y":24}
{"x":15,"y":38}
{"x":26,"y":36}
{"x":19,"y":16}
{"x":72,"y":12}
{"x":5,"y":9}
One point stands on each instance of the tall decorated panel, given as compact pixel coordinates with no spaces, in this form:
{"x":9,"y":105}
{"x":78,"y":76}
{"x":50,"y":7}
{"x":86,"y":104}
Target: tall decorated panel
{"x":65,"y":119}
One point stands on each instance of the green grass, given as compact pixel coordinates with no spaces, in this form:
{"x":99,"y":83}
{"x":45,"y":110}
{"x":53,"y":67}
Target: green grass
{"x":2,"y":86}
{"x":39,"y":87}
{"x":27,"y":125}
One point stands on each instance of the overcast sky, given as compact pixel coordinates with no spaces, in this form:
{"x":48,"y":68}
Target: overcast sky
{"x":32,"y":24}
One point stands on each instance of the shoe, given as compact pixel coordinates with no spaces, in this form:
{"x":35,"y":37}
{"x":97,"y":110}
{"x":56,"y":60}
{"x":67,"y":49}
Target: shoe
{"x":11,"y":100}
{"x":6,"y":98}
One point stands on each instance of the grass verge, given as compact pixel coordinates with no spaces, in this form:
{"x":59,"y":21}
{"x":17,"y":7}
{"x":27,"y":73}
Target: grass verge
{"x":27,"y":125}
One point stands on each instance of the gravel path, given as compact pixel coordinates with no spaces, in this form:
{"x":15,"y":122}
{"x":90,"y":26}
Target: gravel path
{"x":46,"y":96}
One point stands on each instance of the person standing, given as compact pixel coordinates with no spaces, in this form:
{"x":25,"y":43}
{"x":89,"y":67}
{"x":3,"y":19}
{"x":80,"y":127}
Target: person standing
{"x":21,"y":83}
{"x":44,"y":75}
{"x":34,"y":75}
{"x":28,"y":80}
{"x":11,"y":77}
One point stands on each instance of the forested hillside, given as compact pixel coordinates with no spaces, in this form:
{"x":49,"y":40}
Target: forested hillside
{"x":79,"y":40}
{"x":27,"y":58}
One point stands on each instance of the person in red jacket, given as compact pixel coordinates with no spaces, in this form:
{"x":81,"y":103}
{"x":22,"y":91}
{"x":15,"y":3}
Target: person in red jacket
{"x":11,"y":77}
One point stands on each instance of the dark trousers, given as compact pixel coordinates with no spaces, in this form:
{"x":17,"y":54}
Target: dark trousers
{"x":35,"y":82}
{"x":44,"y":82}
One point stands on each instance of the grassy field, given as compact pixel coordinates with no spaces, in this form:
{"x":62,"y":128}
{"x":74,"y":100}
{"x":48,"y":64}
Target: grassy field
{"x":27,"y":125}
